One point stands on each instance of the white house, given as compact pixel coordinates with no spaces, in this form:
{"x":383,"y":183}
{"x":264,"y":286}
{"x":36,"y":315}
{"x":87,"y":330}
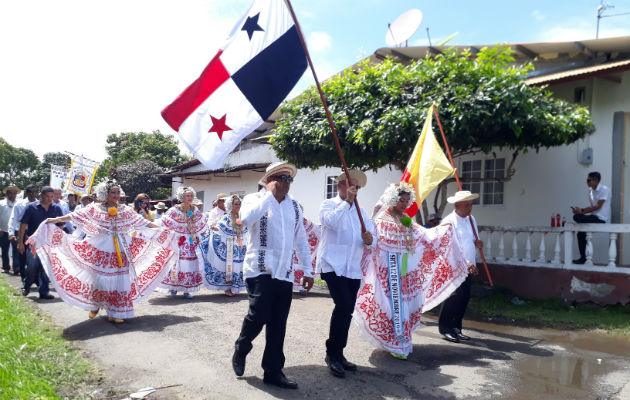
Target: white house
{"x":594,"y":73}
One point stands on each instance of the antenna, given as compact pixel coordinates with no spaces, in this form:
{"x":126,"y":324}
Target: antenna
{"x":403,"y":27}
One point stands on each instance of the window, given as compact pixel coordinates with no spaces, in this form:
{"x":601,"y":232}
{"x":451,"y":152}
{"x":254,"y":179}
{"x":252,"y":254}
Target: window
{"x":472,"y":169}
{"x":493,"y":191}
{"x":579,"y":95}
{"x":490,"y":192}
{"x":331,"y":186}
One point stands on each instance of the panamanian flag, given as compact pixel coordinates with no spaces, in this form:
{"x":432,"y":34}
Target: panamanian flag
{"x":242,"y":85}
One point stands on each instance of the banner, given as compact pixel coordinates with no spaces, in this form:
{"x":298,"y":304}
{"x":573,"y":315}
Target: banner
{"x":81,"y":175}
{"x":58,"y":176}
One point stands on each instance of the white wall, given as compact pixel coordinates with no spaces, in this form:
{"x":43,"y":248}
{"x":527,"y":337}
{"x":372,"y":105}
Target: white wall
{"x":552,"y":180}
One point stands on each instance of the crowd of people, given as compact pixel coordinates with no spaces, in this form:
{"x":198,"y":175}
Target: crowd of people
{"x":383,"y":270}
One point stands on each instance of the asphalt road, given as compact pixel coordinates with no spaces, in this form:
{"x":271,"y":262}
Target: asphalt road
{"x":184,"y":347}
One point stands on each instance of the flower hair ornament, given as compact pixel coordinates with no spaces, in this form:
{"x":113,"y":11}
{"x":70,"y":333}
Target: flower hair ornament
{"x":229,"y":202}
{"x":392,"y":193}
{"x":102,"y":189}
{"x":183,"y":189}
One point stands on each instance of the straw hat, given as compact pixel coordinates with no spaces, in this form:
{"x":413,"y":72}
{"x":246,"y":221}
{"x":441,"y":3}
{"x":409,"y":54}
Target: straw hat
{"x":278,"y":168}
{"x":355,"y":174}
{"x":12,"y":187}
{"x":160,"y":206}
{"x":196,"y":201}
{"x":462,"y":195}
{"x":222,"y":196}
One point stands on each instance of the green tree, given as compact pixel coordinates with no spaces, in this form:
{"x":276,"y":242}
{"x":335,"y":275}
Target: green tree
{"x":42,"y":174}
{"x":379,"y":111}
{"x":140,"y":177}
{"x":17,"y":165}
{"x":128,"y":148}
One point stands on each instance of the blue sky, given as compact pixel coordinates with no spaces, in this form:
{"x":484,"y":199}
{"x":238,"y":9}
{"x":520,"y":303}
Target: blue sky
{"x":74,"y":71}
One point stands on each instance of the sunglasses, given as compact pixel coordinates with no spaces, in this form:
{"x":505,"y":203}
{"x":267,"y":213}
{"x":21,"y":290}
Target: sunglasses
{"x":283,"y":178}
{"x":143,"y":202}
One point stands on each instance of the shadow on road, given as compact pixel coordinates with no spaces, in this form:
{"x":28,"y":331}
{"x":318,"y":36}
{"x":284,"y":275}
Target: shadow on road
{"x":315,"y":381}
{"x":146,"y":323}
{"x":216,"y":298}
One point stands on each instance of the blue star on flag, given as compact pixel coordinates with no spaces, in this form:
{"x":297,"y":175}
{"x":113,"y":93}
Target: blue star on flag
{"x":251,"y":25}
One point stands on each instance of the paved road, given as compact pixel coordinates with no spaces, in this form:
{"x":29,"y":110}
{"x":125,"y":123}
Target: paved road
{"x":186,"y":345}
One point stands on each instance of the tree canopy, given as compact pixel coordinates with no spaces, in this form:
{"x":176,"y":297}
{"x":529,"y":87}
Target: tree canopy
{"x":17,"y":165}
{"x":140,"y":177}
{"x":130,"y":147}
{"x":379,"y":111}
{"x":42,"y":173}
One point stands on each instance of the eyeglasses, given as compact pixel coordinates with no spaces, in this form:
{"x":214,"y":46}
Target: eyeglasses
{"x":143,"y":202}
{"x":283,"y":178}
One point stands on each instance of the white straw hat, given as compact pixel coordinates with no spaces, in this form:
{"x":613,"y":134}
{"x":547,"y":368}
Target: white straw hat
{"x":462,"y":195}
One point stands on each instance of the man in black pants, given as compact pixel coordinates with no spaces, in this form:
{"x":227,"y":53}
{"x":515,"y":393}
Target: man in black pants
{"x":35,"y":214}
{"x":599,"y":210}
{"x":276,"y":228}
{"x":454,"y":308}
{"x":339,"y":261}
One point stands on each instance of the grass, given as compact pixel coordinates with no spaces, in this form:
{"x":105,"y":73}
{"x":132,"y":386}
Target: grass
{"x":551,"y":314}
{"x":35,"y":361}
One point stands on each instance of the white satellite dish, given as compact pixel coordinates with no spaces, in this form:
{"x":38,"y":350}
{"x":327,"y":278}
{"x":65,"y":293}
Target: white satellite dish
{"x":404,"y":27}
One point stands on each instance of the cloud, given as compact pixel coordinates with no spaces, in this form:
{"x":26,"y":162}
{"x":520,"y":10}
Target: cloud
{"x":538,"y":16}
{"x":319,"y":42}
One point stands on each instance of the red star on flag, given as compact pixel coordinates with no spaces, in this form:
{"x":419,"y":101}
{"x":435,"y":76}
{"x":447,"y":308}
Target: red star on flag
{"x":219,"y":126}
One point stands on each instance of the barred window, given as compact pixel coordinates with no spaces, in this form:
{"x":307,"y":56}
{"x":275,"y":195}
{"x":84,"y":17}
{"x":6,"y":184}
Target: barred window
{"x":331,"y":186}
{"x":472,"y":169}
{"x":490,"y":192}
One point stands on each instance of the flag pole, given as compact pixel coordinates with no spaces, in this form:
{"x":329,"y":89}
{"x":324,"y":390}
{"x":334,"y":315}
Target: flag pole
{"x":325,"y":104}
{"x":459,"y":185}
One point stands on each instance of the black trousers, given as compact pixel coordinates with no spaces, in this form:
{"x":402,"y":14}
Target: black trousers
{"x":344,"y":293}
{"x":454,"y":308}
{"x":269,"y":304}
{"x":5,"y":244}
{"x":581,"y":236}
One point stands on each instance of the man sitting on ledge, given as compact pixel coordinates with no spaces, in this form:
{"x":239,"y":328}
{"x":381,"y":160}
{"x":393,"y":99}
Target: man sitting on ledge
{"x":599,"y":210}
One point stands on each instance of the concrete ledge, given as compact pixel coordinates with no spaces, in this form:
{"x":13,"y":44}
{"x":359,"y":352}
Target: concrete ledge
{"x":531,"y":282}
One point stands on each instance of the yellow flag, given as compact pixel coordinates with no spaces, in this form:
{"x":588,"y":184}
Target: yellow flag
{"x":428,"y":166}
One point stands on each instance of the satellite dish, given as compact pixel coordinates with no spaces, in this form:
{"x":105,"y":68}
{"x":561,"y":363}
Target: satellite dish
{"x":404,"y":27}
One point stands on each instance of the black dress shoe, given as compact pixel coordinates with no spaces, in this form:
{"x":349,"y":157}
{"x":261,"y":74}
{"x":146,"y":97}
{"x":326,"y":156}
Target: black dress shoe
{"x":238,"y":364}
{"x":16,"y":272}
{"x":47,"y":296}
{"x":335,"y":366}
{"x":26,"y":291}
{"x":450,"y":337}
{"x":347,"y":365}
{"x":579,"y":261}
{"x":461,"y":336}
{"x":278,"y":379}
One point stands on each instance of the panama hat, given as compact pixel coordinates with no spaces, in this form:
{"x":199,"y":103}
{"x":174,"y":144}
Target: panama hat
{"x":222,"y":196}
{"x":12,"y":187}
{"x":355,"y":174}
{"x":160,"y":206}
{"x":462,"y":195}
{"x":278,"y":168}
{"x":196,"y":201}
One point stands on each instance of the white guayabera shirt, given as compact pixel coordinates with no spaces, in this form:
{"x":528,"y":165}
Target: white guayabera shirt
{"x":275,"y":230}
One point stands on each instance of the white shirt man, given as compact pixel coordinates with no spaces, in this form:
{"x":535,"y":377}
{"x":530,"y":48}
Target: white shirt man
{"x":217,"y":211}
{"x":339,"y":260}
{"x":6,"y":208}
{"x":601,"y":192}
{"x":65,"y":209}
{"x":454,"y":308}
{"x":276,"y":229}
{"x":598,"y":211}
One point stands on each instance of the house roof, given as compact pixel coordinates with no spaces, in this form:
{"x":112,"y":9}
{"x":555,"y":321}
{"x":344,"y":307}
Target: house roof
{"x":555,"y":62}
{"x":580,"y":73}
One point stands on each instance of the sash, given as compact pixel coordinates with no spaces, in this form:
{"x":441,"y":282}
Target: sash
{"x":396,"y":296}
{"x":229,"y":259}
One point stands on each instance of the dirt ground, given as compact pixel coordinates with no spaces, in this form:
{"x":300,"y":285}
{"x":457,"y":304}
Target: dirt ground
{"x":183,"y":349}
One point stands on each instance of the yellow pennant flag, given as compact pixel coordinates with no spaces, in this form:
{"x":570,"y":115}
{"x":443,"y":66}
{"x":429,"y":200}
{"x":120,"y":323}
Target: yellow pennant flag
{"x":427,"y":167}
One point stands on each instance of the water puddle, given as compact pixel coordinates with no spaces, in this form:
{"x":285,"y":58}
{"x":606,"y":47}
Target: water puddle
{"x":569,"y":365}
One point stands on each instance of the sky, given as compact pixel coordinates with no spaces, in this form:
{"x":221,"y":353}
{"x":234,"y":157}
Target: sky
{"x":74,"y":71}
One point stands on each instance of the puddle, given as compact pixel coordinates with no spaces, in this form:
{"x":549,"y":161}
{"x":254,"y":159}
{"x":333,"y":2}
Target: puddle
{"x":571,"y":365}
